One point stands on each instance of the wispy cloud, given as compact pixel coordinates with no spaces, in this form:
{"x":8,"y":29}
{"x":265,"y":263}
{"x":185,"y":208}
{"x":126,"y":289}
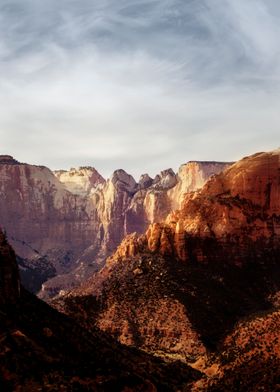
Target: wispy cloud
{"x":138,"y":84}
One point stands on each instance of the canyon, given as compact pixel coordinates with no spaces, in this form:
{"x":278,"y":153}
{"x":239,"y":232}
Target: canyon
{"x":184,"y":296}
{"x":203,"y":285}
{"x":42,"y":349}
{"x":64,"y":224}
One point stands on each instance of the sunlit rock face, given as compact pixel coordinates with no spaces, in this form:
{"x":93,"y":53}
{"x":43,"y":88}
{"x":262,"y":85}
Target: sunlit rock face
{"x":114,"y":199}
{"x":64,"y":224}
{"x":241,"y":204}
{"x":48,"y":226}
{"x":180,"y":287}
{"x":81,"y":181}
{"x":152,"y":204}
{"x":41,"y":217}
{"x":191,"y":177}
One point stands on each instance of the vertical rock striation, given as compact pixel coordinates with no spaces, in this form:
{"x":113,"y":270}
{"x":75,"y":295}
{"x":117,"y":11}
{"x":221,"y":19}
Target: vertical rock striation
{"x":180,"y":287}
{"x":66,"y":223}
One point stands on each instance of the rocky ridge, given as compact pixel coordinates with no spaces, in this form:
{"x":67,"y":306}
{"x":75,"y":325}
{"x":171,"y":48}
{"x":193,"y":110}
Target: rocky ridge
{"x":41,"y":348}
{"x":179,"y":290}
{"x":240,"y":206}
{"x":44,"y":350}
{"x":81,"y":181}
{"x":63,"y":225}
{"x":41,"y":217}
{"x":249,"y":358}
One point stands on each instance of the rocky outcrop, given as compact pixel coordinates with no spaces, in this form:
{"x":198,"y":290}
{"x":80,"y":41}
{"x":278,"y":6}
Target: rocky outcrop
{"x":66,"y":223}
{"x":250,"y":356}
{"x":166,"y":193}
{"x":44,"y":350}
{"x":8,"y":159}
{"x":205,"y":310}
{"x":135,"y":303}
{"x":181,"y":286}
{"x":81,"y":181}
{"x":191,"y":177}
{"x":145,"y":181}
{"x":151,"y":203}
{"x":113,"y":200}
{"x":239,"y":206}
{"x":41,"y":217}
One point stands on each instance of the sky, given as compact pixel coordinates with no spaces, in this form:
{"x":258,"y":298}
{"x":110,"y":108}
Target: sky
{"x":142,"y":85}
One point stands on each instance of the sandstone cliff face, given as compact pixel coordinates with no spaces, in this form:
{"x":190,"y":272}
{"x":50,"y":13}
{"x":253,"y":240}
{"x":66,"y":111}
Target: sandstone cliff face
{"x":150,"y":203}
{"x":241,"y":205}
{"x":113,"y":200}
{"x":81,"y":181}
{"x":191,"y":177}
{"x":166,"y":192}
{"x":124,"y":207}
{"x":67,"y":222}
{"x":41,"y":217}
{"x":173,"y":309}
{"x":214,"y":261}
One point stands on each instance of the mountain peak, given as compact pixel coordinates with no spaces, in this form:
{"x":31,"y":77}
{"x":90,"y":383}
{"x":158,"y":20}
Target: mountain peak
{"x":8,"y":160}
{"x":80,"y":181}
{"x":165,"y":180}
{"x":120,"y":178}
{"x":145,"y":181}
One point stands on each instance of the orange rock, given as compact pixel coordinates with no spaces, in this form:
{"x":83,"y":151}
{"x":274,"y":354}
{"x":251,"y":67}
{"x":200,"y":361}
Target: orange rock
{"x":242,"y":202}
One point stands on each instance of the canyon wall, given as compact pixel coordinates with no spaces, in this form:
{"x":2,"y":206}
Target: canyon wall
{"x":180,"y":287}
{"x":64,"y":224}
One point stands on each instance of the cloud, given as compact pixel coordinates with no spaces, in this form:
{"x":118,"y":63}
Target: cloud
{"x":142,"y":85}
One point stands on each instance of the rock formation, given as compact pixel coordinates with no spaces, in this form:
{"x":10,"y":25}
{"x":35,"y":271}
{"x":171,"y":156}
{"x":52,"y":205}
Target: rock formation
{"x":81,"y":181}
{"x":250,"y":356}
{"x":64,"y":224}
{"x":44,"y":350}
{"x":41,"y":217}
{"x":180,"y":288}
{"x":240,"y":206}
{"x":200,"y":291}
{"x":191,"y":177}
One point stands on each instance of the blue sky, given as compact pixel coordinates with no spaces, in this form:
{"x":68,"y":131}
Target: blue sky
{"x":139,"y":85}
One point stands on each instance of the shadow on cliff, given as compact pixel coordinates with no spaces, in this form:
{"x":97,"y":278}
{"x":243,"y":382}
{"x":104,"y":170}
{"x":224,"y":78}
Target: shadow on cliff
{"x":43,"y":347}
{"x":218,"y":292}
{"x":215,"y":293}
